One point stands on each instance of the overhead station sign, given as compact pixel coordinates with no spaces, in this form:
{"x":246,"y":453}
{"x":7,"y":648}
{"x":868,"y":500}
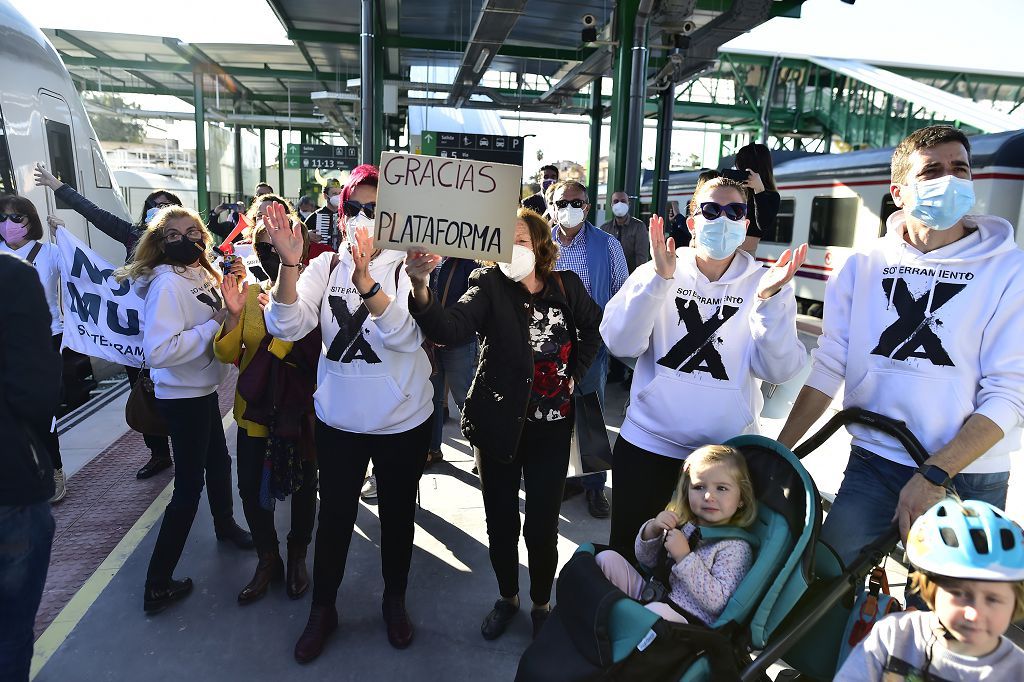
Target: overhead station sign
{"x":497,"y":148}
{"x":322,"y":156}
{"x":448,"y":206}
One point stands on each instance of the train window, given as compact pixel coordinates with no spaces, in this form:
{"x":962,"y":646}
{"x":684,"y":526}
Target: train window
{"x":62,"y":155}
{"x":833,"y":221}
{"x":888,"y":208}
{"x":99,"y":168}
{"x":782,"y":233}
{"x":6,"y":168}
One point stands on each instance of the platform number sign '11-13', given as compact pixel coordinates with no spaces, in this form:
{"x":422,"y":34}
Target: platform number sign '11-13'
{"x":322,"y":156}
{"x":497,"y":148}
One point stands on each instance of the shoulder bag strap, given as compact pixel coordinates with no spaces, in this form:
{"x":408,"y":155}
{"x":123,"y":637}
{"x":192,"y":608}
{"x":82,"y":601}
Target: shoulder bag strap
{"x":33,"y":252}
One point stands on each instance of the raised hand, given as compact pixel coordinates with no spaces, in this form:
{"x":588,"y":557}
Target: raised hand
{"x":45,"y":178}
{"x":754,"y":181}
{"x":234,"y":288}
{"x":286,"y":237}
{"x":419,"y":265}
{"x":362,"y":253}
{"x":781,"y":272}
{"x":662,"y":253}
{"x":54,"y":222}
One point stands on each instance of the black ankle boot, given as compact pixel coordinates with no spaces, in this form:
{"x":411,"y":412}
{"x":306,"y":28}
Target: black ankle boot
{"x":229,"y":531}
{"x":269,"y":569}
{"x":157,"y":598}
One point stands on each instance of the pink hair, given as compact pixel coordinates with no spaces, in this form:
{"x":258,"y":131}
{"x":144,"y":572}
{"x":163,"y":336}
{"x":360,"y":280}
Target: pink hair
{"x":365,"y":174}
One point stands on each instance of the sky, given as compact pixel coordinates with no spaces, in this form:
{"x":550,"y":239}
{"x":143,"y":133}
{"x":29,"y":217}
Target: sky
{"x":969,"y":35}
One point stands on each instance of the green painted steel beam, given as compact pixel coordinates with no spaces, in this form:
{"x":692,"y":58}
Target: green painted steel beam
{"x":201,"y":171}
{"x":96,"y":52}
{"x":392,"y":41}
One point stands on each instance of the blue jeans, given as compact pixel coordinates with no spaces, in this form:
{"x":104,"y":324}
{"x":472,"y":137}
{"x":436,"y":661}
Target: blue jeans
{"x":26,"y":534}
{"x":455,"y":367}
{"x":594,"y":381}
{"x":867,"y":499}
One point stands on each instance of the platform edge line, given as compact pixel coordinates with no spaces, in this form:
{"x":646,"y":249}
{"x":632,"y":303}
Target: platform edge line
{"x":68,"y":618}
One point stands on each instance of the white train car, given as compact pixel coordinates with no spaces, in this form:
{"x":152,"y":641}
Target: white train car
{"x":42,"y":119}
{"x":838,"y":203}
{"x":136,"y":185}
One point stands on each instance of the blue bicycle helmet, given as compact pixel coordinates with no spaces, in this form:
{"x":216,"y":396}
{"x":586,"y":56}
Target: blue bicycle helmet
{"x":971,"y":540}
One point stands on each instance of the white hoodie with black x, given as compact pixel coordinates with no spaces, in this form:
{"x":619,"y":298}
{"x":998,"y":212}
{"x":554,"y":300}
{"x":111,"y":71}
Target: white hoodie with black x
{"x":700,"y":346}
{"x":373,"y":375}
{"x":179,"y":331}
{"x":929,"y":338}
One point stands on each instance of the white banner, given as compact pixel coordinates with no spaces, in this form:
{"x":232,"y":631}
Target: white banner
{"x":254,"y":273}
{"x":102,"y":317}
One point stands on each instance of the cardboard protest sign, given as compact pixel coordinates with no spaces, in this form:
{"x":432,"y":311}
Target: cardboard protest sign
{"x":451,"y":207}
{"x":103,"y":318}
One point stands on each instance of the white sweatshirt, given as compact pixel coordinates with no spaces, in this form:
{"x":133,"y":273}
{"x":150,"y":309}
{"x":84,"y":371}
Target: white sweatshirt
{"x":929,"y":338}
{"x":48,"y":270}
{"x":179,"y":331}
{"x":373,"y":375}
{"x":700,"y":345}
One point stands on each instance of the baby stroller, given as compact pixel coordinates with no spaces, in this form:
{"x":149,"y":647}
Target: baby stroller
{"x":794,"y":603}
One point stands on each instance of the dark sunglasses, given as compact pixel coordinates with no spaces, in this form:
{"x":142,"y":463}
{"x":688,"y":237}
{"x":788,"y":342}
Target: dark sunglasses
{"x":575,"y":203}
{"x":351,"y":208}
{"x":734,"y":211}
{"x":14,"y":217}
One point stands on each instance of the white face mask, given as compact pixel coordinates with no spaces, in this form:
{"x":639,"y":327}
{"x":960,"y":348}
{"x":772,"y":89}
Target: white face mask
{"x":523,"y":262}
{"x":719,"y":238}
{"x":305,"y":214}
{"x":569,"y":217}
{"x":352,"y":223}
{"x":620,"y":209}
{"x":334,"y":201}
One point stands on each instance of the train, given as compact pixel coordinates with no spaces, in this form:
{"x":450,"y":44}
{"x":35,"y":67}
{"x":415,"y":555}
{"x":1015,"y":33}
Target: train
{"x":42,"y":118}
{"x":839,"y":203}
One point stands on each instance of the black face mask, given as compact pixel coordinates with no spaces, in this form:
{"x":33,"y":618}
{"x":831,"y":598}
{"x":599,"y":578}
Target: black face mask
{"x":269,"y":260}
{"x":183,"y":252}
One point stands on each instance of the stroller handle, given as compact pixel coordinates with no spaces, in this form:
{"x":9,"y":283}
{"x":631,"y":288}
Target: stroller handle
{"x":857,"y":415}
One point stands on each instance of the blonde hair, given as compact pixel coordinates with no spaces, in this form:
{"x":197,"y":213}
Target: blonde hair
{"x":925,"y":585}
{"x":149,"y":253}
{"x":705,"y":187}
{"x":709,"y":455}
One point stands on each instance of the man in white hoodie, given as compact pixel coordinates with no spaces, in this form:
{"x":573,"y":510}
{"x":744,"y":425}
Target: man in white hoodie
{"x":924,"y":326}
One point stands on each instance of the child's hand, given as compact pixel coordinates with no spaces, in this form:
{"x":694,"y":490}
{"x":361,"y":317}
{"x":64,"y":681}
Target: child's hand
{"x":676,"y":545}
{"x":666,"y":520}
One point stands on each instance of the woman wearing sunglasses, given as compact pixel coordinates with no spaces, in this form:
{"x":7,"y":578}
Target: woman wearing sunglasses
{"x":373,"y":400}
{"x":128,"y":234}
{"x":21,"y":230}
{"x":704,"y":323}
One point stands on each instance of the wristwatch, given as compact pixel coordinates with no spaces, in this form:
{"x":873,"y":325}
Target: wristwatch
{"x":934,"y":475}
{"x":372,"y":292}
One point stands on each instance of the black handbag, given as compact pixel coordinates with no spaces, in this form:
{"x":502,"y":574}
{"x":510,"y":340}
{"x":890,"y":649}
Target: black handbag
{"x":590,"y":450}
{"x":140,"y":411}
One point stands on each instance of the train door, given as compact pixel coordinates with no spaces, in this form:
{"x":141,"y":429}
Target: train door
{"x":58,"y":136}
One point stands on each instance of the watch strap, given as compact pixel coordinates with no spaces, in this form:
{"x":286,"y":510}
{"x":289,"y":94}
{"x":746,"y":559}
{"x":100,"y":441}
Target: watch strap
{"x":372,"y":292}
{"x":934,"y":475}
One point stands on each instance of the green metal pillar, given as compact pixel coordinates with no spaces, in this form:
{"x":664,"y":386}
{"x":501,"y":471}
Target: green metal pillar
{"x":263,"y":155}
{"x":663,"y":152}
{"x":596,"y":124}
{"x":280,"y":161}
{"x":625,"y":17}
{"x":378,"y":91}
{"x":201,"y":188}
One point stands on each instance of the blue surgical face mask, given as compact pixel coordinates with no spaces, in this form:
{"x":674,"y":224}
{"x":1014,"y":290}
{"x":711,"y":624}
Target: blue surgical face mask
{"x":151,"y":213}
{"x":939,"y":203}
{"x":719,"y":238}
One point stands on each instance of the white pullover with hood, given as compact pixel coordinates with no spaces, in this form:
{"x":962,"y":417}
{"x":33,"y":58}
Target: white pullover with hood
{"x":373,"y":375}
{"x":179,"y":331}
{"x":700,"y":346}
{"x":929,"y":338}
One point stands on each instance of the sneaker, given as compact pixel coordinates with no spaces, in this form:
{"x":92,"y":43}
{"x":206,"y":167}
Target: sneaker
{"x":369,"y":491}
{"x":60,"y":486}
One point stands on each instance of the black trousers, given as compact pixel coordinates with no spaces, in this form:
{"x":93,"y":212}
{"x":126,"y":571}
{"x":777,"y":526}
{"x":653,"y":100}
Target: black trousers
{"x":542,"y":460}
{"x":644,"y":483}
{"x":197,"y":436}
{"x":398,"y":461}
{"x":159,"y":446}
{"x":250,"y":455}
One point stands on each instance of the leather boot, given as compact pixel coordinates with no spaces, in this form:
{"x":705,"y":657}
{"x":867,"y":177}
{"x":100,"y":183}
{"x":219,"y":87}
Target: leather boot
{"x":400,"y":629}
{"x":323,"y":620}
{"x":297,"y":580}
{"x":269,"y":568}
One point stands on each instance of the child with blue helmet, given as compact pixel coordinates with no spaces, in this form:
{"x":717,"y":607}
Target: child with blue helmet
{"x":970,"y":572}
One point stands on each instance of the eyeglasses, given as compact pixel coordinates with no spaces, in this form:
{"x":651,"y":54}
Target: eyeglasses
{"x":195,"y":234}
{"x":575,"y":203}
{"x":351,"y":208}
{"x":14,"y":218}
{"x":734,"y":211}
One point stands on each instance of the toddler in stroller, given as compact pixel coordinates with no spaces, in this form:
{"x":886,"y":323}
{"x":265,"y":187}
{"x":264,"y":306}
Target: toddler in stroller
{"x":693,"y":577}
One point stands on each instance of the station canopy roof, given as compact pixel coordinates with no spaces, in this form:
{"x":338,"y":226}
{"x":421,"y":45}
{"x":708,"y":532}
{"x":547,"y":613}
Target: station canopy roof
{"x":489,"y":54}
